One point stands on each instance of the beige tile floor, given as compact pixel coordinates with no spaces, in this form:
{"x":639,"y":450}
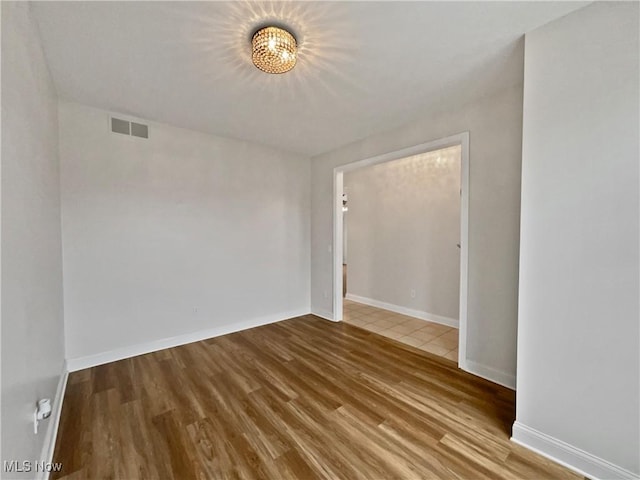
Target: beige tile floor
{"x":428,"y":336}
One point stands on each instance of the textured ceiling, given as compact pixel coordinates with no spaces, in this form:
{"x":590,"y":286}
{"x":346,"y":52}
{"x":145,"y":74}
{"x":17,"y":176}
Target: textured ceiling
{"x":363,"y":67}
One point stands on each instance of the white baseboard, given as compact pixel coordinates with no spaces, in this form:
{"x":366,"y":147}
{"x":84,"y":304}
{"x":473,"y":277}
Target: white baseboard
{"x":571,"y":457}
{"x":51,"y":433}
{"x":80,"y":363}
{"x":450,"y":322}
{"x":496,"y":376}
{"x":322,"y":313}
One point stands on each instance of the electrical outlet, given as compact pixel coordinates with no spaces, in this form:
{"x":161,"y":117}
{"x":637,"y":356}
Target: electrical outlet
{"x":42,"y":412}
{"x":413,"y":293}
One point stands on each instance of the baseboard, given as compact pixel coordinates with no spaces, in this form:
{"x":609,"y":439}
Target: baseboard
{"x":322,"y":313}
{"x":80,"y":363}
{"x":450,"y":322}
{"x":571,"y":457}
{"x":51,"y":433}
{"x":496,"y":376}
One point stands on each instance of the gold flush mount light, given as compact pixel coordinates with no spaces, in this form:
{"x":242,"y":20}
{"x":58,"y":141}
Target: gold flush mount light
{"x":274,"y":50}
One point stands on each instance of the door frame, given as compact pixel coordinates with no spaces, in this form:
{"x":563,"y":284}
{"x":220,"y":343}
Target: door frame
{"x":461,"y":139}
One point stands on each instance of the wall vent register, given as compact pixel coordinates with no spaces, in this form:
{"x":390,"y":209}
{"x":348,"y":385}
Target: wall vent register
{"x":129,"y":128}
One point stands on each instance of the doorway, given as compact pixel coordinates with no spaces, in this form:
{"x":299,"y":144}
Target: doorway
{"x":395,"y":313}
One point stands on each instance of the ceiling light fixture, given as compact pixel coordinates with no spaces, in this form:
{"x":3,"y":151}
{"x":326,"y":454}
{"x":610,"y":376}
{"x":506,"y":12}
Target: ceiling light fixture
{"x":274,"y":50}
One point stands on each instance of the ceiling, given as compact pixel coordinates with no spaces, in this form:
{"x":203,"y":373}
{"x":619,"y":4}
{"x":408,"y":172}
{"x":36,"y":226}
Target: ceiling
{"x":363,"y":67}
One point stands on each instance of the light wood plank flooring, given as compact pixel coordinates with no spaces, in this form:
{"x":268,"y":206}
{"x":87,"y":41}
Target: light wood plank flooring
{"x":304,"y":398}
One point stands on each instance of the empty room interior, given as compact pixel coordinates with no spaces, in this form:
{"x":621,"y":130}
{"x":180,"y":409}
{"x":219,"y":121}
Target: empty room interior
{"x":401,"y":249}
{"x":333,"y":240}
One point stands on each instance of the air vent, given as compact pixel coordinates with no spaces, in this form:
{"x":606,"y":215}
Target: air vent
{"x":119,"y":126}
{"x":139,"y":130}
{"x":129,"y":128}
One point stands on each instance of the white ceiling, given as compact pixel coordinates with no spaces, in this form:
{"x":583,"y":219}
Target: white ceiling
{"x":363,"y":67}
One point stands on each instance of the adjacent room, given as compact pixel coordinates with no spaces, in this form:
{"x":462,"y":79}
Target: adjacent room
{"x":334,"y":240}
{"x":401,"y":249}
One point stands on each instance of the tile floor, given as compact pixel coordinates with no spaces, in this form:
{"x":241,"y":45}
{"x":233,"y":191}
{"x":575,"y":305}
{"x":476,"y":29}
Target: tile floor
{"x":428,"y":336}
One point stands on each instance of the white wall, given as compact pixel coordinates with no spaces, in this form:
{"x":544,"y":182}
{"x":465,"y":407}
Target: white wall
{"x":154,"y":229}
{"x":578,"y":332}
{"x":32,"y":312}
{"x":345,"y":234}
{"x":495,"y":126}
{"x":404,"y":224}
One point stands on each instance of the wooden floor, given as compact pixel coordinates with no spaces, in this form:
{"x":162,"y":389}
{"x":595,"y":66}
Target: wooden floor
{"x":304,"y":398}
